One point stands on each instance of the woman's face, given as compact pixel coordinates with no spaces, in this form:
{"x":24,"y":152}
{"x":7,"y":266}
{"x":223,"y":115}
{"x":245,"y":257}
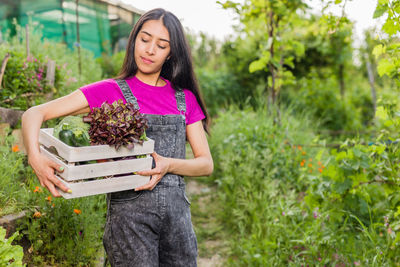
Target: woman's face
{"x":152,"y":47}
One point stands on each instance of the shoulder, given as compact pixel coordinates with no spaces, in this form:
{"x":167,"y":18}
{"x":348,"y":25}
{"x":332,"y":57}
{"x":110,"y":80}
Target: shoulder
{"x":190,"y":97}
{"x":103,"y":84}
{"x":102,"y":91}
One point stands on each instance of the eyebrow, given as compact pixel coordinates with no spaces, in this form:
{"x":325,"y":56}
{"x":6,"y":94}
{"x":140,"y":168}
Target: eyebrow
{"x":165,"y":40}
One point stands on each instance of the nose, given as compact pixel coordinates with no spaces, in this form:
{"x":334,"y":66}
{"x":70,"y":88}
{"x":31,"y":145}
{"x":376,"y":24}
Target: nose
{"x":150,"y":49}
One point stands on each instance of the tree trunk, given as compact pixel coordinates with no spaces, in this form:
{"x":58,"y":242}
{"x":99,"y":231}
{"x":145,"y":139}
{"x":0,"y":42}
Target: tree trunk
{"x":271,"y":67}
{"x":341,"y":80}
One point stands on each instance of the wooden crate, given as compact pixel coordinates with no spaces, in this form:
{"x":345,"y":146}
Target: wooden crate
{"x":85,"y":178}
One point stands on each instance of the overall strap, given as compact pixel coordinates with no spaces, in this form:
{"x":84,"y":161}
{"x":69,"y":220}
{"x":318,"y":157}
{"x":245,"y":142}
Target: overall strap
{"x":126,"y":91}
{"x":180,"y":101}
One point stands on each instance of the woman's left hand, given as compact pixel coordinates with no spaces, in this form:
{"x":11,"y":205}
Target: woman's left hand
{"x":162,"y":165}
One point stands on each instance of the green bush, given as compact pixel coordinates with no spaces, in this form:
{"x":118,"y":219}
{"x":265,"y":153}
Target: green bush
{"x":10,"y":255}
{"x":321,"y":98}
{"x":258,"y":169}
{"x":111,"y":65}
{"x":14,"y":177}
{"x":220,"y":89}
{"x":24,"y":83}
{"x":65,"y":232}
{"x":25,"y":75}
{"x":289,"y":204}
{"x":57,"y":234}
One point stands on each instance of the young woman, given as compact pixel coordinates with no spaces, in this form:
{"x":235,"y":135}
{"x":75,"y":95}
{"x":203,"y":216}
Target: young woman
{"x":149,"y":225}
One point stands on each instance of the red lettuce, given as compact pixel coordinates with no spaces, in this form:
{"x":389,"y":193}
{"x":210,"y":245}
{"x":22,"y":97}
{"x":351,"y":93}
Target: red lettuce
{"x":116,"y":125}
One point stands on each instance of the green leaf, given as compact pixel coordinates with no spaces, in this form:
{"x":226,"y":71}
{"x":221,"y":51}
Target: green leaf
{"x":299,"y":49}
{"x":378,"y":50}
{"x":381,"y":113}
{"x":397,"y":7}
{"x":380,"y":10}
{"x":390,"y":27}
{"x":385,"y":67}
{"x":388,"y":123}
{"x":256,"y":65}
{"x":341,"y":187}
{"x":261,"y":63}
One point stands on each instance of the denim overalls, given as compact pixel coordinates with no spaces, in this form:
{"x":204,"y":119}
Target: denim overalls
{"x":153,"y":228}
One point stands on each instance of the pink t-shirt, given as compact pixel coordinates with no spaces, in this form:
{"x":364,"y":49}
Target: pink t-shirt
{"x":158,"y":100}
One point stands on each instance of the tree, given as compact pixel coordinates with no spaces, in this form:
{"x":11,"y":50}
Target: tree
{"x":388,"y":51}
{"x":271,"y":23}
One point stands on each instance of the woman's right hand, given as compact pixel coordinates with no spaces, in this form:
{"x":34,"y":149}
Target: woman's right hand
{"x":44,"y":169}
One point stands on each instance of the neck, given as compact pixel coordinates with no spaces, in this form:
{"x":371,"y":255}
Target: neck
{"x":150,"y":79}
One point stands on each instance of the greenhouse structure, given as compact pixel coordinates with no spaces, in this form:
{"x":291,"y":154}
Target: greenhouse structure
{"x":103,"y":27}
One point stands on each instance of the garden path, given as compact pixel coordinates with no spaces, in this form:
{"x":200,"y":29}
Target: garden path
{"x":212,"y":248}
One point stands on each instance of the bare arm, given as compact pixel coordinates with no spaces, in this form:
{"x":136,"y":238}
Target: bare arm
{"x":32,"y":119}
{"x":201,"y":164}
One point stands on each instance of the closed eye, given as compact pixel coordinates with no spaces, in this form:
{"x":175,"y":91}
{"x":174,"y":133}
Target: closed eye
{"x":144,"y":40}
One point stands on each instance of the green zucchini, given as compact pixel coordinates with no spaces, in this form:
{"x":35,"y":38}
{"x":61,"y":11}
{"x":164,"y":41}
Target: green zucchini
{"x":67,"y":136}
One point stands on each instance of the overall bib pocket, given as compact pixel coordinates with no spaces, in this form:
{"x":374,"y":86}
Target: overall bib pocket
{"x":166,"y":139}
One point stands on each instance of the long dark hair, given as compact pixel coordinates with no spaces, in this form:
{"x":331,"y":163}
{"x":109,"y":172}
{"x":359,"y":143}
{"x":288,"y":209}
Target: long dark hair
{"x":178,"y":69}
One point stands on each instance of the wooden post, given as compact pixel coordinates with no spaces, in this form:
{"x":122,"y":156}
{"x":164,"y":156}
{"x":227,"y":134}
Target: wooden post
{"x":371,"y":79}
{"x":3,"y":67}
{"x":51,"y":68}
{"x":27,"y":39}
{"x":78,"y":38}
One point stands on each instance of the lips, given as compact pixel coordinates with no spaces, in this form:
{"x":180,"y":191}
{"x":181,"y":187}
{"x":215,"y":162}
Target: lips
{"x":146,"y":60}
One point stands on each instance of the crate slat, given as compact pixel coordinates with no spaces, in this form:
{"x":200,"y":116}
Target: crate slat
{"x":79,"y":172}
{"x":86,"y":153}
{"x":115,"y":184}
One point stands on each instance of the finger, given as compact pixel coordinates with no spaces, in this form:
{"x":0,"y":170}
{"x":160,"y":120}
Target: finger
{"x":149,"y":186}
{"x":148,"y":172}
{"x":41,"y":182}
{"x":155,"y":156}
{"x":52,"y":189}
{"x":59,"y":184}
{"x":56,"y":166}
{"x":143,"y":187}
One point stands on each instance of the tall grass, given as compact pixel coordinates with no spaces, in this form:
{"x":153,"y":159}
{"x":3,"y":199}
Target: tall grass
{"x":263,"y":171}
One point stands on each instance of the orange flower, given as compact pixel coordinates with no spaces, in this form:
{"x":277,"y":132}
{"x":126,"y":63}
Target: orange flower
{"x":37,"y":214}
{"x":37,"y":189}
{"x":310,"y":159}
{"x":320,"y":169}
{"x":53,"y":205}
{"x":302,"y":164}
{"x":310,"y":165}
{"x":48,"y":198}
{"x":15,"y":148}
{"x":299,"y":147}
{"x":303,"y":153}
{"x":77,"y":211}
{"x":323,"y":167}
{"x":319,"y":163}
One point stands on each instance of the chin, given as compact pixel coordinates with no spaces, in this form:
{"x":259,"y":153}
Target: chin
{"x":148,"y":70}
